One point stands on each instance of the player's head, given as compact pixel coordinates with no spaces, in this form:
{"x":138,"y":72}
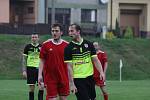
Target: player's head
{"x":56,"y":31}
{"x":96,"y":45}
{"x":34,"y":38}
{"x":74,"y":31}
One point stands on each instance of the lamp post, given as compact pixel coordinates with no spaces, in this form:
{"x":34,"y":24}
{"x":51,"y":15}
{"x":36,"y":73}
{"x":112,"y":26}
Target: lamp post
{"x":111,"y":1}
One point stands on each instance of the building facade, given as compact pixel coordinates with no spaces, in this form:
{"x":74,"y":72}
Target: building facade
{"x":133,"y":13}
{"x":92,"y":15}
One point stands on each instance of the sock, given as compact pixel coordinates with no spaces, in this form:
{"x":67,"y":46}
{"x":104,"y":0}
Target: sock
{"x":105,"y":96}
{"x":31,"y":95}
{"x":40,"y":94}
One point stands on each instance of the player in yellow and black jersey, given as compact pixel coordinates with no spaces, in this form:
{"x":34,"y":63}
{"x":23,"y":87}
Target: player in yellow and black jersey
{"x":31,"y":65}
{"x":79,"y":55}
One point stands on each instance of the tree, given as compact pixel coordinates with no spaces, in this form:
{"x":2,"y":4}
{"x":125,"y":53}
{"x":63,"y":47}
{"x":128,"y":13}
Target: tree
{"x":117,"y":29}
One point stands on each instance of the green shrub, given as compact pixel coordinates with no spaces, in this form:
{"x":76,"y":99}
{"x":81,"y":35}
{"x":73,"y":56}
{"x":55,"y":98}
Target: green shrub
{"x":110,"y":35}
{"x":128,"y":33}
{"x":117,"y":29}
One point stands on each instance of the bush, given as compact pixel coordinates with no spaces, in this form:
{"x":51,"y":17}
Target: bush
{"x":128,"y":33}
{"x":117,"y":29}
{"x":110,"y":35}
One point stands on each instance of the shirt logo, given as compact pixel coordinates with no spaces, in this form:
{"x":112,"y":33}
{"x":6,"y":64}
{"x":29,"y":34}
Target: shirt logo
{"x":50,"y":49}
{"x":74,"y":48}
{"x":86,"y":45}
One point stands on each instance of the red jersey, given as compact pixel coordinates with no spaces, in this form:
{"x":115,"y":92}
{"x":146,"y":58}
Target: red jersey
{"x":102,"y":58}
{"x":55,"y":70}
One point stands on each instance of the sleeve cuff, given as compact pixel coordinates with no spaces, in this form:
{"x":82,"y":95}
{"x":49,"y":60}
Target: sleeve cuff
{"x":94,"y":56}
{"x":67,"y":61}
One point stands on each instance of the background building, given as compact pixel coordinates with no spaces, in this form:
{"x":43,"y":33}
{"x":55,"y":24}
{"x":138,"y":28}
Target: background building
{"x":133,"y":13}
{"x":92,"y":15}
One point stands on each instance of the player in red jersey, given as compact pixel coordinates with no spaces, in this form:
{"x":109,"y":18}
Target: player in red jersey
{"x":103,"y":59}
{"x":52,"y":64}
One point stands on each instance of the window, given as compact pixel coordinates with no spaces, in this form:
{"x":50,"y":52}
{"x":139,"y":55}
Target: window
{"x":30,"y":10}
{"x":88,"y":15}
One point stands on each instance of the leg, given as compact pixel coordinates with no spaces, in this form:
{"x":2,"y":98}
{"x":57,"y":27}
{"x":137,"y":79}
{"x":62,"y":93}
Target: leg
{"x":82,"y":91}
{"x":63,"y":90}
{"x":31,"y":81}
{"x":52,"y":98}
{"x":31,"y":92}
{"x":62,"y":97}
{"x":41,"y":89}
{"x":51,"y":91}
{"x":105,"y":94}
{"x":91,"y":87}
{"x":40,"y":94}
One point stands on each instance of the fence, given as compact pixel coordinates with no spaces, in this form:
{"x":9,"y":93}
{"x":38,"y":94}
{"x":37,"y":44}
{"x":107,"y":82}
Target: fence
{"x":26,"y":29}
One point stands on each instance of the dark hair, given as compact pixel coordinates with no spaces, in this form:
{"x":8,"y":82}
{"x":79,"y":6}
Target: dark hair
{"x":35,"y":33}
{"x":57,"y":25}
{"x":77,"y":27}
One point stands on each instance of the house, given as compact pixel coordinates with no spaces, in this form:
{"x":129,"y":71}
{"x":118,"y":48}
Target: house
{"x":92,"y":15}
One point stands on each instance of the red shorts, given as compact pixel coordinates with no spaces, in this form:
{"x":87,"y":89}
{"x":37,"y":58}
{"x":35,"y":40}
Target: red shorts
{"x":54,"y":89}
{"x":99,"y":82}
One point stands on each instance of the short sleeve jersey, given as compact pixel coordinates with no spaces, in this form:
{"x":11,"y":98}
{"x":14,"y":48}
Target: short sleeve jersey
{"x":32,"y":53}
{"x":53,"y":55}
{"x":103,"y":59}
{"x":80,"y":56}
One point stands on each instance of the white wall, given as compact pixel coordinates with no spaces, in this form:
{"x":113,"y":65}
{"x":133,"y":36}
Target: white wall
{"x":4,"y":11}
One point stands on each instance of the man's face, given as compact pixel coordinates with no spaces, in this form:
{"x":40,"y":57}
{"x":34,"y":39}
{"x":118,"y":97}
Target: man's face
{"x":73,"y":32}
{"x":34,"y":38}
{"x":56,"y":33}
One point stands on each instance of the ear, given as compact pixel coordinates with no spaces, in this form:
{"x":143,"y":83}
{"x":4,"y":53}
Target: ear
{"x":61,"y":32}
{"x":78,"y":32}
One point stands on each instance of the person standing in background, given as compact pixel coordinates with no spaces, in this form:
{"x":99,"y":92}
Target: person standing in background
{"x":31,"y":65}
{"x":102,"y":56}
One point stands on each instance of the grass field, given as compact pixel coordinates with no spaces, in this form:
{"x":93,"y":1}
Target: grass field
{"x":125,"y":90}
{"x":133,"y":52}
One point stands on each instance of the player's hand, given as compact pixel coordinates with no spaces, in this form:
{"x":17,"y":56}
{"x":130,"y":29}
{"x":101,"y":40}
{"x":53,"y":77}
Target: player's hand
{"x":73,"y":89}
{"x":102,"y":76}
{"x":40,"y":82}
{"x":40,"y":78}
{"x":24,"y":73}
{"x":41,"y":85}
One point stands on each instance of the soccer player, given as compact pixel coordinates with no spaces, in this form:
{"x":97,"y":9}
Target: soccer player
{"x":31,"y":65}
{"x":103,"y":59}
{"x":53,"y":66}
{"x":79,"y":55}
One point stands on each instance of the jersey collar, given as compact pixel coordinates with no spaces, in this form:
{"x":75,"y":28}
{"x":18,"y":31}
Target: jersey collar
{"x":78,"y":43}
{"x":35,"y":45}
{"x":60,"y":41}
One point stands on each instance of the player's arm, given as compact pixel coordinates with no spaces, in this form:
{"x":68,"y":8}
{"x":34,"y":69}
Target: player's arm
{"x":98,"y":66}
{"x":40,"y":74}
{"x":105,"y":62}
{"x":105,"y":67}
{"x":41,"y":65}
{"x":24,"y":64}
{"x":70,"y":76}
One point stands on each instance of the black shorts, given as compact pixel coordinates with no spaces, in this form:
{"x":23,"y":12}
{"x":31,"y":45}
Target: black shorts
{"x":85,"y":88}
{"x":32,"y":75}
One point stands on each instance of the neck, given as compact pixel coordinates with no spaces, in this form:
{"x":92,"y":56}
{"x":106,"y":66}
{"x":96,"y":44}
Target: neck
{"x":78,"y":39}
{"x":56,"y":40}
{"x":35,"y":44}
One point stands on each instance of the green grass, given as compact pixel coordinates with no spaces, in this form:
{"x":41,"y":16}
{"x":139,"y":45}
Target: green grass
{"x":133,"y":52}
{"x":125,"y":90}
